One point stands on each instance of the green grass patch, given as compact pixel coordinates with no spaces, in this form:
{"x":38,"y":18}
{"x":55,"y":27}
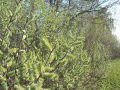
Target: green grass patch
{"x":112,"y":81}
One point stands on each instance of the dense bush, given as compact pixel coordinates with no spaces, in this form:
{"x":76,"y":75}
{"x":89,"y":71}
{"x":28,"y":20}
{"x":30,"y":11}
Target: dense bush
{"x":49,"y":55}
{"x":43,"y":49}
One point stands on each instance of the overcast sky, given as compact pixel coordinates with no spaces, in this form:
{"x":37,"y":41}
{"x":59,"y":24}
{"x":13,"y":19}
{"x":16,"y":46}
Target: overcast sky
{"x":116,"y":16}
{"x":115,"y":10}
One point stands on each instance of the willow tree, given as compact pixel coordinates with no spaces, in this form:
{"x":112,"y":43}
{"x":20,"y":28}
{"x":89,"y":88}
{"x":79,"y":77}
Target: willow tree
{"x":43,"y":46}
{"x":39,"y":49}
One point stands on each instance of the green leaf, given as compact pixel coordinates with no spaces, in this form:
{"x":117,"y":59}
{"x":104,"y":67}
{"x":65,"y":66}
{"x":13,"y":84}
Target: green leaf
{"x":9,"y":63}
{"x":16,"y":80}
{"x":19,"y":7}
{"x":71,"y":56}
{"x":33,"y":86}
{"x":1,"y":53}
{"x":47,"y":68}
{"x":13,"y":50}
{"x":46,"y":42}
{"x":18,"y":87}
{"x":2,"y":69}
{"x":4,"y":85}
{"x":41,"y":67}
{"x":12,"y":73}
{"x":52,"y":57}
{"x":2,"y":78}
{"x":50,"y":75}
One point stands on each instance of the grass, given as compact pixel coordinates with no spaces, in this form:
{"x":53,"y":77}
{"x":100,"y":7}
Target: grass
{"x":112,"y":81}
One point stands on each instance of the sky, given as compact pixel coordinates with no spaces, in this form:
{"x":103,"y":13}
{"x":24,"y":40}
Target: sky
{"x":116,"y":16}
{"x":115,"y":11}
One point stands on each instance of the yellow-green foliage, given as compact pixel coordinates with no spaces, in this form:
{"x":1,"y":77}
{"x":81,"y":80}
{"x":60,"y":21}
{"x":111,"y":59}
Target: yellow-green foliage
{"x":43,"y":49}
{"x":39,"y":49}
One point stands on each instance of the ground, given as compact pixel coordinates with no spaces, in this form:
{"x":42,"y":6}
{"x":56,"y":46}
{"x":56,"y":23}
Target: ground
{"x":112,"y":81}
